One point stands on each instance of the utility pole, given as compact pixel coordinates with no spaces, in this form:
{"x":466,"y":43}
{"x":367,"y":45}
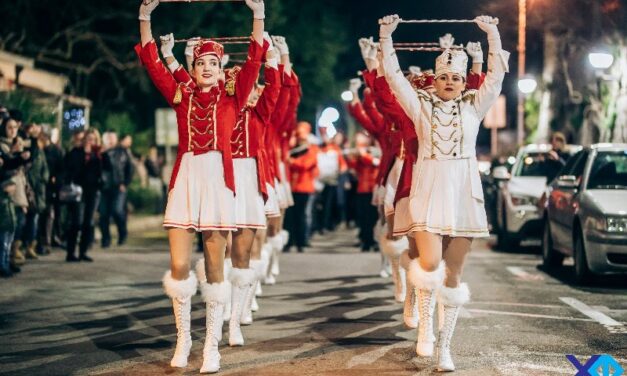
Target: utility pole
{"x":522,"y":27}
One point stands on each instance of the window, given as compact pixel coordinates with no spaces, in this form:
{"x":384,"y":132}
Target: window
{"x":609,"y":171}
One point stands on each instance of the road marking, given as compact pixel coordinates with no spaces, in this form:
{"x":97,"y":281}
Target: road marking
{"x":595,"y":315}
{"x":521,"y":274}
{"x":373,"y":329}
{"x":518,"y":304}
{"x":506,"y":313}
{"x":370,"y":357}
{"x":537,"y":367}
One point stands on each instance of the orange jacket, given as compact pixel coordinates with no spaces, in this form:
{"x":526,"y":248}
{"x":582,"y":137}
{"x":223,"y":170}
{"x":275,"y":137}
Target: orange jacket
{"x":304,"y":170}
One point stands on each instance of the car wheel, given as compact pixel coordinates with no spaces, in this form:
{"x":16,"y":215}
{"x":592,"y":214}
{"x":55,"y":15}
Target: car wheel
{"x":504,"y":240}
{"x":551,"y":259}
{"x":583,"y":275}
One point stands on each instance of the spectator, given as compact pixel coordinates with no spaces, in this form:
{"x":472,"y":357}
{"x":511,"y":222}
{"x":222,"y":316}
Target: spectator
{"x":558,"y":152}
{"x":331,"y":165}
{"x":83,"y":168}
{"x":13,"y":146}
{"x":118,"y":173}
{"x":50,"y":223}
{"x":36,"y":181}
{"x":154,"y":168}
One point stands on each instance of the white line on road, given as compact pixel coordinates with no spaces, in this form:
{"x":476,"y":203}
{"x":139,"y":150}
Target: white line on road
{"x":520,"y":273}
{"x":595,"y":315}
{"x":472,"y":310}
{"x":370,"y":357}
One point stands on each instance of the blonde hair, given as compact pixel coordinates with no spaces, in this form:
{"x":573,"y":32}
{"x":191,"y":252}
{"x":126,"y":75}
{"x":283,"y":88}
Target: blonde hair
{"x":96,"y":134}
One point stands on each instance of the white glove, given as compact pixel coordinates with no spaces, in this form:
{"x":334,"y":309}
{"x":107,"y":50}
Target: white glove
{"x":268,"y":39}
{"x":354,"y":85}
{"x":191,"y":44}
{"x":474,"y":51}
{"x":280,"y":44}
{"x":364,"y":46}
{"x":488,"y":24}
{"x":388,"y":25}
{"x":167,"y":44}
{"x":146,"y":8}
{"x":446,"y":41}
{"x":225,"y":60}
{"x":258,"y":8}
{"x":414,"y":70}
{"x":272,"y":60}
{"x":372,"y":54}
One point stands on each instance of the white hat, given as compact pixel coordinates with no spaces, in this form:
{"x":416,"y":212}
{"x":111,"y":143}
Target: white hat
{"x":451,"y":61}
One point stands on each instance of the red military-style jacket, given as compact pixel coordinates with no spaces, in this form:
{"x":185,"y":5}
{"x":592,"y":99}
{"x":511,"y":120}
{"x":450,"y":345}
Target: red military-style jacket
{"x":247,"y":140}
{"x":273,"y":131}
{"x":288,"y":124}
{"x":205,"y":121}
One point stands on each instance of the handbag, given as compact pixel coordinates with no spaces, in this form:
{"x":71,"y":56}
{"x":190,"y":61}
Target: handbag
{"x":70,"y":193}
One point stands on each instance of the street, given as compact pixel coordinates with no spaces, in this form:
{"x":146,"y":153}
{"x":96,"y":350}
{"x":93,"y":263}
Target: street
{"x":329,"y":314}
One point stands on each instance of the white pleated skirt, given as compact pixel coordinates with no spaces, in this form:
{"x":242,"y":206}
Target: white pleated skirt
{"x":286,"y":185}
{"x":200,"y":199}
{"x":442,"y":202}
{"x":272,"y":208}
{"x":281,"y":195}
{"x":391,"y":184}
{"x":249,"y":207}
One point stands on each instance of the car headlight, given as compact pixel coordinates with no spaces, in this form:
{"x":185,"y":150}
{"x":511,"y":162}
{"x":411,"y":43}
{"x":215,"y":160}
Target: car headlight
{"x":616,"y":224}
{"x":520,"y":200}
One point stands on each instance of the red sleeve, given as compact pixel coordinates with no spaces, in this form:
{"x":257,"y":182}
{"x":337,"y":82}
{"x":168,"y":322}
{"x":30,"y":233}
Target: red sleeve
{"x":371,"y":109}
{"x":268,"y":99}
{"x":357,"y":111}
{"x":182,"y":76}
{"x":369,"y":77}
{"x":367,"y":159}
{"x":474,"y":80}
{"x":290,"y":119}
{"x":159,"y":74}
{"x":283,"y":100}
{"x":247,"y":76}
{"x":387,"y":102}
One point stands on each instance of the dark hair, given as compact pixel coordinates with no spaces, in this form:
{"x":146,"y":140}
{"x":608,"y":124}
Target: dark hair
{"x":16,"y":115}
{"x":3,"y":125}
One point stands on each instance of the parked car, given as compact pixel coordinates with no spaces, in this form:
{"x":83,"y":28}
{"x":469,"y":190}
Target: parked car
{"x":585,"y":215}
{"x":517,"y":214}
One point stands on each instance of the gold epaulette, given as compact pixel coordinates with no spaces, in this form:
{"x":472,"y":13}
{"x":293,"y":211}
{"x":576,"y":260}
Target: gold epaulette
{"x":178,"y":95}
{"x":424,"y":95}
{"x":231,"y":76}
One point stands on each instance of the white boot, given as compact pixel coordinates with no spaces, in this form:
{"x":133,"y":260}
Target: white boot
{"x":215,"y":296}
{"x":276,"y":242}
{"x":200,"y":272}
{"x":250,"y":304}
{"x":425,"y":283}
{"x":241,"y":282}
{"x":181,"y":293}
{"x":265,"y":261}
{"x":268,"y":250}
{"x":285,"y":237}
{"x":410,"y":308}
{"x":452,"y":300}
{"x":398,"y":274}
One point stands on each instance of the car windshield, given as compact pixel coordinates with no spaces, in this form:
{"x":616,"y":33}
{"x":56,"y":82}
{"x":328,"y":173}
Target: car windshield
{"x":609,"y":170}
{"x":538,"y":164}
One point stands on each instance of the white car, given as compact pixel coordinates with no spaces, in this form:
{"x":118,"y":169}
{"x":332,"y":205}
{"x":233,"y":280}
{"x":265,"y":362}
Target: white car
{"x":517,"y":213}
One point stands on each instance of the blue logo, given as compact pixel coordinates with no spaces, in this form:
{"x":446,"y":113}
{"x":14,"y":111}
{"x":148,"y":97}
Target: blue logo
{"x":597,"y":365}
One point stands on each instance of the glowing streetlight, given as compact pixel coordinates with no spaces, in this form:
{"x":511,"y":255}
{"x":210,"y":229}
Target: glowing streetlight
{"x":527,"y":85}
{"x":347,"y":96}
{"x":329,"y":116}
{"x":600,"y":60}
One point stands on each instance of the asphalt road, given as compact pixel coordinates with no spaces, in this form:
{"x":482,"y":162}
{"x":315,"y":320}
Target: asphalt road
{"x":329,"y":314}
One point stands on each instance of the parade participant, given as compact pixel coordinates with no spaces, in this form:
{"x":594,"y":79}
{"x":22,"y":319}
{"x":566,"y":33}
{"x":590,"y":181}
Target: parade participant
{"x":201,"y":197}
{"x":446,"y":209}
{"x":365,"y":164}
{"x":303,"y":165}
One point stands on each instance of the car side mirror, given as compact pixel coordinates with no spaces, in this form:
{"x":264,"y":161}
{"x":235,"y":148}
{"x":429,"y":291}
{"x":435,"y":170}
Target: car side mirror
{"x":501,"y":173}
{"x":567,"y":181}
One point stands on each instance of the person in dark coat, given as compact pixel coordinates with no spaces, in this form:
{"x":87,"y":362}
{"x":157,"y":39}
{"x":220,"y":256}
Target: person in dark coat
{"x":83,"y":168}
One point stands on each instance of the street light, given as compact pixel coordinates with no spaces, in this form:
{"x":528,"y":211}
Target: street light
{"x":520,"y":109}
{"x":329,"y":116}
{"x":600,"y":60}
{"x":527,"y":85}
{"x":347,"y":96}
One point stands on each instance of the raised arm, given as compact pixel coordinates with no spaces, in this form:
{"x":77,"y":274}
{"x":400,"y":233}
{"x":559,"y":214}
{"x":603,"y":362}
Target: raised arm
{"x":145,"y":10}
{"x":497,"y":67}
{"x":270,"y":95}
{"x":394,"y":75}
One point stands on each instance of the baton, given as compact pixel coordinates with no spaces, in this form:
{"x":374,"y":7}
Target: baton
{"x":495,"y":22}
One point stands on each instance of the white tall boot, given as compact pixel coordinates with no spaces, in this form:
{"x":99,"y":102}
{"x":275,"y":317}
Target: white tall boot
{"x":452,"y":300}
{"x":426,"y":283}
{"x":398,"y":273}
{"x":265,"y":261}
{"x":200,"y":272}
{"x":215,"y":296}
{"x":250,"y":303}
{"x":410,"y":308}
{"x":181,"y":293}
{"x":268,"y":249}
{"x":276,"y":242}
{"x":241,"y":282}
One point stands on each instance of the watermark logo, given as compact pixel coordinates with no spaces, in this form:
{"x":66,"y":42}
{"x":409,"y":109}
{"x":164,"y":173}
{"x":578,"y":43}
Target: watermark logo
{"x":597,"y":365}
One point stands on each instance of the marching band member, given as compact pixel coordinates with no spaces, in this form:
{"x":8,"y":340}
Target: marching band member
{"x":445,"y":210}
{"x":201,"y":197}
